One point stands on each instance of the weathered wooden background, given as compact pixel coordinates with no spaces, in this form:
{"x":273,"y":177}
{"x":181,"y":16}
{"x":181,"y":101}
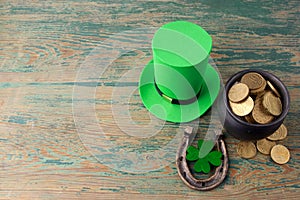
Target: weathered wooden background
{"x":44,"y":44}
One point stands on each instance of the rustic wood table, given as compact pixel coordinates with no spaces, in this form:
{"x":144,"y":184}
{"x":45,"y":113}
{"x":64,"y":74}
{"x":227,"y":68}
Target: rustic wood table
{"x":72,"y":124}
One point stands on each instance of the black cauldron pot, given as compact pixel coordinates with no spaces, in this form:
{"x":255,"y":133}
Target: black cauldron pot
{"x":241,"y":129}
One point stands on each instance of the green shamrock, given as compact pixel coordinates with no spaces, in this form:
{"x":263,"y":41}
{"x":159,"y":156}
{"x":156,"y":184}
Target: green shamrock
{"x":203,"y":156}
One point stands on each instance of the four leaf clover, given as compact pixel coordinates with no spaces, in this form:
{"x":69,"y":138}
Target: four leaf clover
{"x":204,"y":156}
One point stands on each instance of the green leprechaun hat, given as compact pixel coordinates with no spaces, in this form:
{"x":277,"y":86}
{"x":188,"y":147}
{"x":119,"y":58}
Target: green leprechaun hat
{"x":179,"y":84}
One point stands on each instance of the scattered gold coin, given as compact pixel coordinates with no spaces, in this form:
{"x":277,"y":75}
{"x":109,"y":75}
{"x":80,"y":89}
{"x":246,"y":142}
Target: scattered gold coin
{"x":259,"y":114}
{"x":280,"y":154}
{"x":272,"y":104}
{"x":242,"y":108}
{"x":264,"y":146}
{"x":246,"y":149}
{"x":279,"y":134}
{"x":253,"y":80}
{"x":273,"y":89}
{"x":238,"y":92}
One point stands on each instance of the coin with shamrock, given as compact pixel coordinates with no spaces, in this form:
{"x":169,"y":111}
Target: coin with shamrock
{"x":204,"y":156}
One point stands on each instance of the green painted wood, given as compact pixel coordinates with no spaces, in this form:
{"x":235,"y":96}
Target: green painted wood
{"x":43,"y":45}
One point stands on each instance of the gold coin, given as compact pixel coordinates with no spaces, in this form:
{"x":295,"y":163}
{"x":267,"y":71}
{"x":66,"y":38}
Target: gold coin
{"x":260,"y":94}
{"x":250,"y":119}
{"x":253,"y":80}
{"x":280,"y":154}
{"x":246,"y":149}
{"x":264,"y":146}
{"x":238,"y":92}
{"x":272,"y":104}
{"x":279,"y":134}
{"x":273,"y":89}
{"x":259,"y":90}
{"x":259,"y":114}
{"x":242,"y":108}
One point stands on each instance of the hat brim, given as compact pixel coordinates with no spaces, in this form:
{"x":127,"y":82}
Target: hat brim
{"x":165,"y":110}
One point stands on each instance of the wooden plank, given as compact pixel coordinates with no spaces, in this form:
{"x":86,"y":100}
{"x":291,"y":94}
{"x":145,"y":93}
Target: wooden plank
{"x":43,"y":155}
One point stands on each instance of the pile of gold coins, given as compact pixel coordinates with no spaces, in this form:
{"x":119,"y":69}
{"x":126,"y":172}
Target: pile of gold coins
{"x":257,"y":101}
{"x":267,"y":146}
{"x":266,"y":104}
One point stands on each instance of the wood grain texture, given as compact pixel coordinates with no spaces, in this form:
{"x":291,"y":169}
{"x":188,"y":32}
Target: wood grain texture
{"x":44,"y":45}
